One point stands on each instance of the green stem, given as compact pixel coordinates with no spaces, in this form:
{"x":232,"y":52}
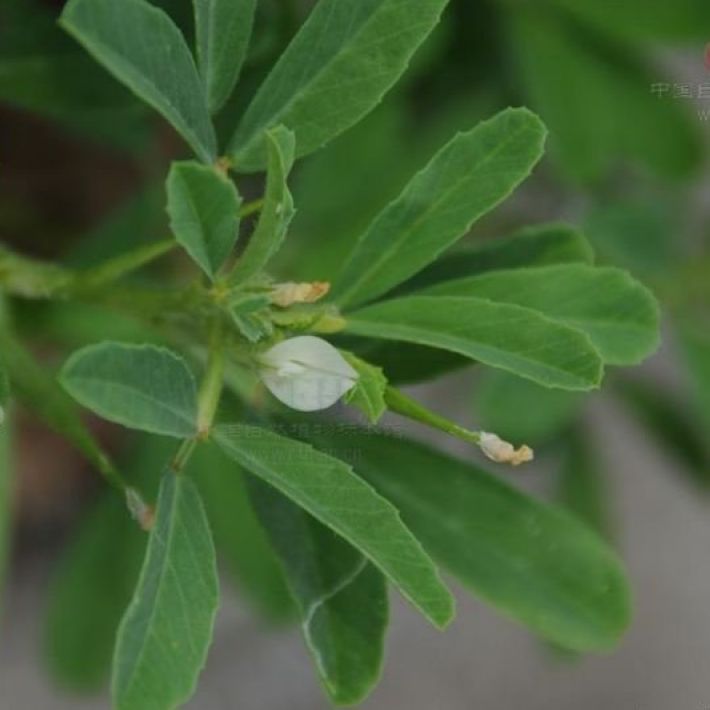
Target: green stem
{"x":208,"y":399}
{"x":120,"y":266}
{"x":211,"y":388}
{"x":250,"y":208}
{"x":406,"y":406}
{"x":182,"y":455}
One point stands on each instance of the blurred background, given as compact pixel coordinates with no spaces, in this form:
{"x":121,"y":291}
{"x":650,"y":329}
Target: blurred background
{"x":624,"y":88}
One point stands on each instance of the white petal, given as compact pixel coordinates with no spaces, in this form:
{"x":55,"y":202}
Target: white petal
{"x":306,"y":373}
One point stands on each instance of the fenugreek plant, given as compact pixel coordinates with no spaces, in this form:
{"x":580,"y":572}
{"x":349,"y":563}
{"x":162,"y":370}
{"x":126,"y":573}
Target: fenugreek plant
{"x":320,"y":517}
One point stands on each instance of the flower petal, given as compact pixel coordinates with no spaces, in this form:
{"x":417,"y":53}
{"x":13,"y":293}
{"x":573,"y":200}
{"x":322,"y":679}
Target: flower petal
{"x":306,"y":373}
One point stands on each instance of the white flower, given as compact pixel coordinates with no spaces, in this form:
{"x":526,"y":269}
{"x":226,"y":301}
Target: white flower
{"x":306,"y":373}
{"x":500,"y":451}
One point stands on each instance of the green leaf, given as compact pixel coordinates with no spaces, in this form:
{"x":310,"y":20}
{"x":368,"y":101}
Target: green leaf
{"x":204,"y":213}
{"x":139,"y":386}
{"x":277,"y":211}
{"x":535,"y":563}
{"x":695,"y":348}
{"x":240,"y":540}
{"x":368,"y":394}
{"x":223,"y":28}
{"x":94,"y":580}
{"x":37,"y":387}
{"x":336,"y":69}
{"x":141,"y":46}
{"x":166,"y":631}
{"x":522,"y":411}
{"x":330,"y":491}
{"x":619,"y":315}
{"x":468,"y":177}
{"x":541,"y":245}
{"x":516,"y":339}
{"x":342,"y":598}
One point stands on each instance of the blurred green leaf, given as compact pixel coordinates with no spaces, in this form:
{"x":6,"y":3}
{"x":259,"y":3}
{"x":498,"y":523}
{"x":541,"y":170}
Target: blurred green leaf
{"x":78,"y":324}
{"x":38,"y":389}
{"x":614,"y":115}
{"x":336,"y":69}
{"x":94,"y":579}
{"x":90,"y":592}
{"x":638,"y":234}
{"x":204,"y":213}
{"x":581,"y":486}
{"x":651,"y":21}
{"x":223,"y":29}
{"x":368,"y":394}
{"x":277,"y":210}
{"x":136,"y":222}
{"x":239,"y":538}
{"x":540,"y":245}
{"x":164,"y":635}
{"x":42,"y":71}
{"x":141,"y":387}
{"x":695,"y":348}
{"x":141,"y":46}
{"x":516,"y":339}
{"x":522,"y":411}
{"x":341,"y":596}
{"x":467,"y":178}
{"x":70,"y":89}
{"x":668,"y":420}
{"x":533,"y":562}
{"x":330,"y":491}
{"x":620,"y":316}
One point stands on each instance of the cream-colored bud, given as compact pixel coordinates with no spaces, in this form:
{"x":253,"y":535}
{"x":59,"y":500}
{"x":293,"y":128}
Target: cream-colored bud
{"x":501,"y":451}
{"x":290,"y":292}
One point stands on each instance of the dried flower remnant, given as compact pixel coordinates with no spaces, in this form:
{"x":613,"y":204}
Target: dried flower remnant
{"x":501,"y":451}
{"x":291,"y":292}
{"x":141,"y":512}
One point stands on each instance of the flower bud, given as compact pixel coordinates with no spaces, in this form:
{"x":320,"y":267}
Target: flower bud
{"x":288,"y":293}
